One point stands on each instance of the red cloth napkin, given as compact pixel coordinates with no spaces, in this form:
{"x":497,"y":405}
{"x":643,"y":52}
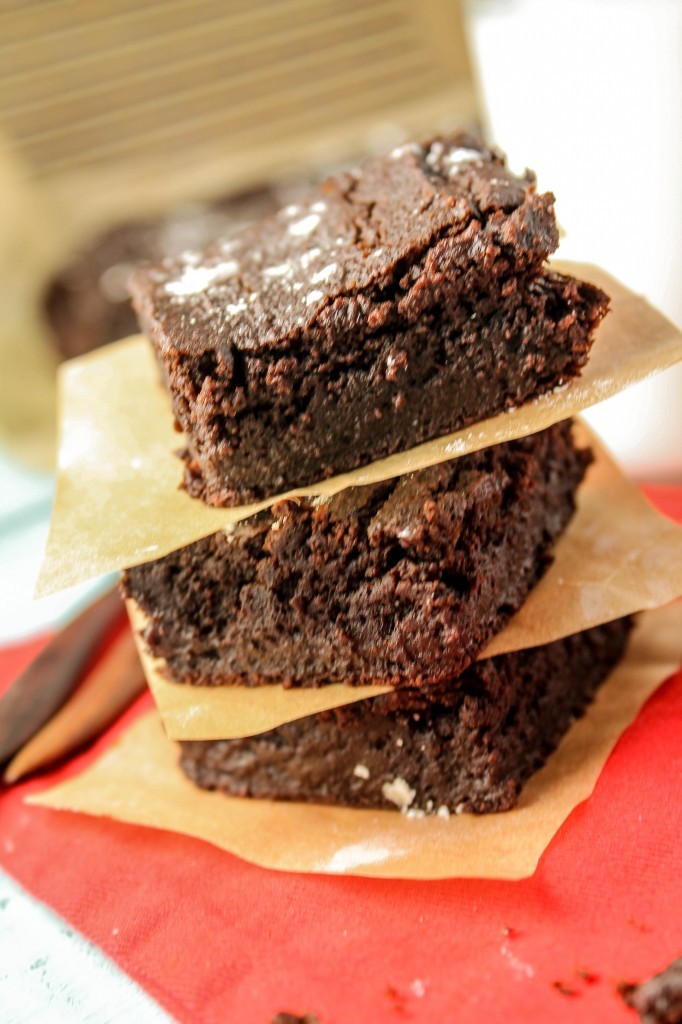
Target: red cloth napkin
{"x":215,"y":939}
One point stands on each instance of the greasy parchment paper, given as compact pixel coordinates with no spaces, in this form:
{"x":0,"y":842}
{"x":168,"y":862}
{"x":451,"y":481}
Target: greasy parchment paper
{"x":117,"y":501}
{"x":137,"y":780}
{"x":618,"y":556}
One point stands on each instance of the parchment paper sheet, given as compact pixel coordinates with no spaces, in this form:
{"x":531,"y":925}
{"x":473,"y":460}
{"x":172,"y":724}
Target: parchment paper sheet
{"x":618,"y":556}
{"x":117,"y":501}
{"x":138,"y":781}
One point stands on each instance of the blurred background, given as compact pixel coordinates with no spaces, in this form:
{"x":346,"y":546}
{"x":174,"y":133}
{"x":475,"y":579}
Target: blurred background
{"x":589,"y":94}
{"x":130,"y":130}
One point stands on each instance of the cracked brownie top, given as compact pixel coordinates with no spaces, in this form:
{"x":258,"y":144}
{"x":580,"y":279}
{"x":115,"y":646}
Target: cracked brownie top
{"x":378,"y":246}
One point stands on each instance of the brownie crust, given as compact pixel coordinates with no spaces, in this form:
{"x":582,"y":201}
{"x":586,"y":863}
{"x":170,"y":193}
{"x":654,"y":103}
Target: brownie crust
{"x":468,"y":747}
{"x":87,"y":302}
{"x":396,"y":303}
{"x":402,"y":582}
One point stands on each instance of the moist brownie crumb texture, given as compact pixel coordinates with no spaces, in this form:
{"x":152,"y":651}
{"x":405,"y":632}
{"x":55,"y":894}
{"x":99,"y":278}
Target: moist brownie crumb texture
{"x":395,"y":303}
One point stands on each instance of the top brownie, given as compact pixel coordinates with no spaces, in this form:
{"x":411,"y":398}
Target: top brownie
{"x":398,"y":302}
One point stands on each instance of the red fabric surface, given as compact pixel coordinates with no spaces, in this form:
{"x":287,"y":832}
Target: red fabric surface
{"x":215,"y":939}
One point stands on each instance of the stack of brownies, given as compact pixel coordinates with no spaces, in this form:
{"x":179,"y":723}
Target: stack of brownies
{"x":397,"y":303}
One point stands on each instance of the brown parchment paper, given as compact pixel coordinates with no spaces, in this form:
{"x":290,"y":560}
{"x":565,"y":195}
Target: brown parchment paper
{"x":618,"y":556}
{"x":117,"y":501}
{"x":138,"y":781}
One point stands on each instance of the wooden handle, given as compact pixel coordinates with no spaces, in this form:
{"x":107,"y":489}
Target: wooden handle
{"x":106,"y":691}
{"x":47,"y":682}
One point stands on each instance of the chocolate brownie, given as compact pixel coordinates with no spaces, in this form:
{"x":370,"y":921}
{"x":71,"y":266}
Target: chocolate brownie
{"x":658,"y":1000}
{"x":401,"y":582}
{"x":397,"y":303}
{"x":468,"y":747}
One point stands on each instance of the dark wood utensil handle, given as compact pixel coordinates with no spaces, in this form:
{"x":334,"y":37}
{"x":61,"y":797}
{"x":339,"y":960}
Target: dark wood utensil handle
{"x":49,"y":680}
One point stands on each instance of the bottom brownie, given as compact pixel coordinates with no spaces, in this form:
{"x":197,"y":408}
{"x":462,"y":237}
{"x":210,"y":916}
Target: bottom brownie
{"x":443,"y":748}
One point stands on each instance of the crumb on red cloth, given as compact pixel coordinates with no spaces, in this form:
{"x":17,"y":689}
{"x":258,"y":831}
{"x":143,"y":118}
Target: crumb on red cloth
{"x":659,"y":999}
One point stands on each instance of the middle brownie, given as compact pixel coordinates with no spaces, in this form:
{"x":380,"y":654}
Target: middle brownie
{"x":402,"y":582}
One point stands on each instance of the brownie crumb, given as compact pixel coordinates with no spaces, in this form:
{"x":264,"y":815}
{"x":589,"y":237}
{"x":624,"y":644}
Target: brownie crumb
{"x":641,"y":926}
{"x":589,"y":977}
{"x":564,"y":989}
{"x":658,"y":1000}
{"x":292,"y":1018}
